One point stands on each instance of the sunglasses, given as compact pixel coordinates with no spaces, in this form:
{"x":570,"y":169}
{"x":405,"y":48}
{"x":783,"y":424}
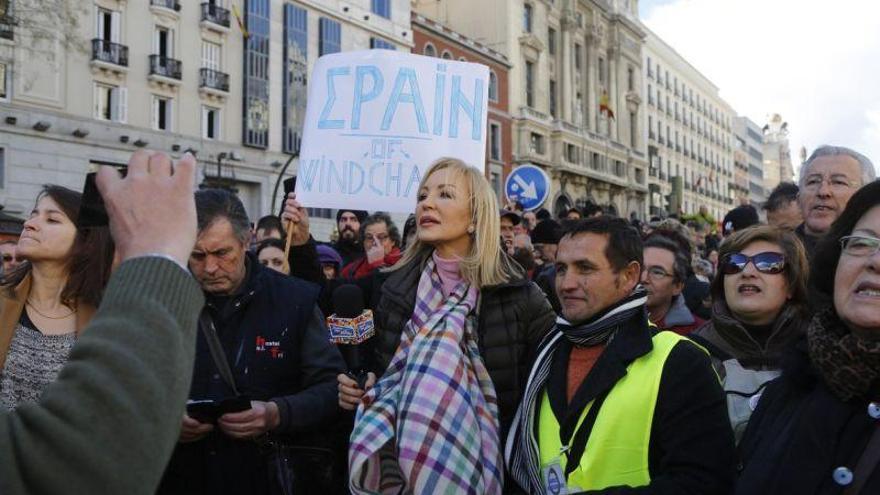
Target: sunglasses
{"x":769,"y":263}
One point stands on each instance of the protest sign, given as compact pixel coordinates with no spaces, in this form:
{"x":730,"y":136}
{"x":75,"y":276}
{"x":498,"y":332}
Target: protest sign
{"x":377,"y":119}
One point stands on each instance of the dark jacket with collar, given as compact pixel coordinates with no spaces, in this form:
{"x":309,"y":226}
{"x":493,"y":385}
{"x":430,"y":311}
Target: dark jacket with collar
{"x":818,"y":300}
{"x":726,"y":338}
{"x":691,"y":447}
{"x":277,"y":347}
{"x":801,"y":433}
{"x":512,"y":319}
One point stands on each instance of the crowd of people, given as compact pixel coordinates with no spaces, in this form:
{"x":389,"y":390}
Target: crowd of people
{"x":513,"y":352}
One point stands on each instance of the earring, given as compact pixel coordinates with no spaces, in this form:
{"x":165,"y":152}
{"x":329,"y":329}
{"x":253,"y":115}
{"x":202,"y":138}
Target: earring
{"x":470,"y":229}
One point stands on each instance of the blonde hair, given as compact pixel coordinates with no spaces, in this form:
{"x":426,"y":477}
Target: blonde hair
{"x":485,"y":264}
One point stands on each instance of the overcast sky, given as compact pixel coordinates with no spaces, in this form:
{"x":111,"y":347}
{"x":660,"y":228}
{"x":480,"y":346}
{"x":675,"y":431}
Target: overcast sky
{"x":817,"y":63}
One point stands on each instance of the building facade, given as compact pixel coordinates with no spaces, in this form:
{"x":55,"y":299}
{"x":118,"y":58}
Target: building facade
{"x":777,"y":154}
{"x":751,"y":146}
{"x":433,"y":39}
{"x":690,"y":136}
{"x":570,"y":59}
{"x":225,"y":79}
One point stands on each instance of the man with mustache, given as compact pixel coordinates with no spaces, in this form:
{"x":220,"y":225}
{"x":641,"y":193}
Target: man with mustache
{"x":828,"y":179}
{"x":348,"y":224}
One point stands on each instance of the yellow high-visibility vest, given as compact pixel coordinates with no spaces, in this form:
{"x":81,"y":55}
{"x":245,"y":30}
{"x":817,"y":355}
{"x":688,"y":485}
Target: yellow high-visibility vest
{"x":617,"y":449}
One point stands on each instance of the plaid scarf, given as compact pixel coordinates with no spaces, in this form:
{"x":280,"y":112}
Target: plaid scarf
{"x":521,"y":451}
{"x":430,"y":425}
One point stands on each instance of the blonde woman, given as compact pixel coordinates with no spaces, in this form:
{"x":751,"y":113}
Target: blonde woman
{"x":457,"y":321}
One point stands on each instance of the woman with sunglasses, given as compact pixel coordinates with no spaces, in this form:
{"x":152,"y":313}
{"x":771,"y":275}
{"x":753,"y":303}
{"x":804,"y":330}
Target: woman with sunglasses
{"x":759,"y":308}
{"x":817,"y":428}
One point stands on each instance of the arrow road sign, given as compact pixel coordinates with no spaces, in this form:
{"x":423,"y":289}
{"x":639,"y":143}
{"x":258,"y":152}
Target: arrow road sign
{"x":529,"y":185}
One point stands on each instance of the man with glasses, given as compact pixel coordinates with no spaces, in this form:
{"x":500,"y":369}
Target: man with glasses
{"x":381,"y":241}
{"x":663,"y":277}
{"x":828,"y":179}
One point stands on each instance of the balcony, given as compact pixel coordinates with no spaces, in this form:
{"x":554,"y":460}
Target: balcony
{"x":7,"y":27}
{"x":213,"y":81}
{"x":172,"y":5}
{"x":109,"y":55}
{"x":214,"y":17}
{"x":165,"y":69}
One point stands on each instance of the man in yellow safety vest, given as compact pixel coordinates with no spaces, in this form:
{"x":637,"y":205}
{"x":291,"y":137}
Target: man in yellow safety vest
{"x":612,"y":405}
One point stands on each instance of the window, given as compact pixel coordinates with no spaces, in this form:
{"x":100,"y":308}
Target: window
{"x":111,"y":103}
{"x":210,"y":122}
{"x":553,"y":98}
{"x":295,"y":82}
{"x":211,"y":55}
{"x":537,"y":143}
{"x":107,"y":25}
{"x":551,"y":41}
{"x":161,"y":113}
{"x":381,"y":7}
{"x":648,"y":66}
{"x":527,"y":18}
{"x":493,"y":86}
{"x":4,"y":82}
{"x":255,"y":115}
{"x":430,"y":51}
{"x":530,"y":88}
{"x":630,"y":79}
{"x":163,"y":42}
{"x":380,"y":44}
{"x":495,"y":180}
{"x":495,"y":141}
{"x":601,"y":67}
{"x":577,"y":56}
{"x":447,"y":55}
{"x":571,"y":153}
{"x":330,"y":34}
{"x":632,"y":129}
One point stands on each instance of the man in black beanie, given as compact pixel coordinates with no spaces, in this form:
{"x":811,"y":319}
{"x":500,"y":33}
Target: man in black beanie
{"x":739,"y":218}
{"x":348,"y":245}
{"x":545,"y":238}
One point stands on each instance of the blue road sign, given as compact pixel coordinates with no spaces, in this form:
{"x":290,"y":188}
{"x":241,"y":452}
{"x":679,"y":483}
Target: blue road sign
{"x":529,"y":185}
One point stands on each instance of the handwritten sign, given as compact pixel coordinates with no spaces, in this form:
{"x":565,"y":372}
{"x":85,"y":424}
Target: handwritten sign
{"x":377,"y":119}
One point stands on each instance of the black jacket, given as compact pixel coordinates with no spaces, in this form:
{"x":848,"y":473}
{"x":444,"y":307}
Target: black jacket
{"x":801,"y":433}
{"x":512,"y":319}
{"x":691,"y":450}
{"x":276,"y":344}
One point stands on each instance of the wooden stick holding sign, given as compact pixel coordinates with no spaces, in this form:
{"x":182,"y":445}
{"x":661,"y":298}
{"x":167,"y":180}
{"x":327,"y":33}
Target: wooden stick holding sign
{"x":289,"y":187}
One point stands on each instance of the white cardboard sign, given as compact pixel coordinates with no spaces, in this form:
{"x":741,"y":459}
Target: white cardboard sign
{"x":375,"y":121}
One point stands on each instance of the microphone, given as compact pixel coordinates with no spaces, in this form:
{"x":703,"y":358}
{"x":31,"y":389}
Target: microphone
{"x":350,"y":326}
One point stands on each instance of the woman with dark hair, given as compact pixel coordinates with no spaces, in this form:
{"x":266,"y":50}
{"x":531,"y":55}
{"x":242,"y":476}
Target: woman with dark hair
{"x":270,"y":253}
{"x":50,"y":297}
{"x":817,"y":428}
{"x":759,"y":308}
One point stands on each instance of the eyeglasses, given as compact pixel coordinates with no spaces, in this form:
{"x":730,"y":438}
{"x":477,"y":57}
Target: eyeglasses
{"x":655,"y":272}
{"x":860,"y":245}
{"x":378,"y":238}
{"x":769,"y":263}
{"x":836,"y":183}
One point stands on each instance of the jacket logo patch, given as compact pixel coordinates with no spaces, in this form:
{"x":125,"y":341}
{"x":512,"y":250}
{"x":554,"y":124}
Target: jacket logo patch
{"x":273,"y":347}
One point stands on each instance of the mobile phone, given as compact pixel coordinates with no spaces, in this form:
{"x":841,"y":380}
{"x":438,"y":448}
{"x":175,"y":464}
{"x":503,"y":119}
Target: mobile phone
{"x":92,"y":211}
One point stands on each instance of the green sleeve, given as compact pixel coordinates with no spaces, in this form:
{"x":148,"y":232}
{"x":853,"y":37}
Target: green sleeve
{"x":111,"y":420}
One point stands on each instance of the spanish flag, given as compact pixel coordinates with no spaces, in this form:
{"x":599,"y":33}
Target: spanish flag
{"x":237,"y":14}
{"x":605,"y":105}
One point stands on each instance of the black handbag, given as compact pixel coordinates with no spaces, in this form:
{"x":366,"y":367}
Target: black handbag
{"x":304,"y":465}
